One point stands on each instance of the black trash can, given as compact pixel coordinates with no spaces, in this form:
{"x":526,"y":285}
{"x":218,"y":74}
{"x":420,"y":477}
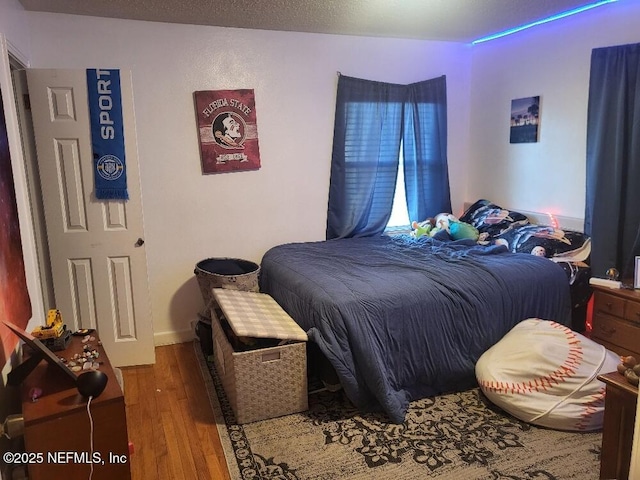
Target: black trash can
{"x":230,"y":273}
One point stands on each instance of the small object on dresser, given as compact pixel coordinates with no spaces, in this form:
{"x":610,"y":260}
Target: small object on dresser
{"x":630,"y":368}
{"x":629,"y":361}
{"x":35,"y":393}
{"x":605,"y":282}
{"x":83,"y":331}
{"x":54,"y":327}
{"x":632,"y":377}
{"x":613,"y":274}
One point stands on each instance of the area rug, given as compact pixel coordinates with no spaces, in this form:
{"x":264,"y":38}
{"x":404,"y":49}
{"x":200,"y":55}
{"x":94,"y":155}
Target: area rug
{"x":459,"y":436}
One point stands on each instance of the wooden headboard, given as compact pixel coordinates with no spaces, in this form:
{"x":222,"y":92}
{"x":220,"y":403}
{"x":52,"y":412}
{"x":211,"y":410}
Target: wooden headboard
{"x":568,"y":223}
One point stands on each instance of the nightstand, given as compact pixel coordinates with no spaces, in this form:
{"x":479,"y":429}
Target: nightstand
{"x":619,"y":422}
{"x":57,"y":430}
{"x":616,"y":320}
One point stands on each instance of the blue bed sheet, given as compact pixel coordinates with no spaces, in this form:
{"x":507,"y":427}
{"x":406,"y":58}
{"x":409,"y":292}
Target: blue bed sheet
{"x":401,"y":318}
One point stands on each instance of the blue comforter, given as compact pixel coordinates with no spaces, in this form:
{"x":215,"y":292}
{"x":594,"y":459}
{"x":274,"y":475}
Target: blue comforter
{"x":402,"y":318}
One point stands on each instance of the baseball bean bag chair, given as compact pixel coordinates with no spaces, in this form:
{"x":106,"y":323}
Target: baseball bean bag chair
{"x":544,"y":373}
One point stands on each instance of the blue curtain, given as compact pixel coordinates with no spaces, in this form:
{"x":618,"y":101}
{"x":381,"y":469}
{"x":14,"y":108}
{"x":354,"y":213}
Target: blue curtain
{"x":369,"y":123}
{"x":364,"y":165}
{"x":612,"y":212}
{"x":424,"y":148}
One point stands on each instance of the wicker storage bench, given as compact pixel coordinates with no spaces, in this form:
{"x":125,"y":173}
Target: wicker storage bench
{"x":265,"y":382}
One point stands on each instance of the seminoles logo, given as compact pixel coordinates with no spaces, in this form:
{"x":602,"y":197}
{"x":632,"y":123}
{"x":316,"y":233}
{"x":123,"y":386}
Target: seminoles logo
{"x":229,"y":130}
{"x":110,"y":167}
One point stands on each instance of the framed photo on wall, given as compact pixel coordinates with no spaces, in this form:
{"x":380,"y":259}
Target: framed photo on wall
{"x":525,"y":120}
{"x":227,"y":130}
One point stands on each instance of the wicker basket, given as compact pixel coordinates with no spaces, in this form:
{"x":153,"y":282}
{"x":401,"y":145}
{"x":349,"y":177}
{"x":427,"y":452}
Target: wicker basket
{"x":264,"y":383}
{"x":230,"y":273}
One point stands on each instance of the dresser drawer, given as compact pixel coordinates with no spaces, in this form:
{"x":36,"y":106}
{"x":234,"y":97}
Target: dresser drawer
{"x":632,"y":312}
{"x":609,"y":304}
{"x":615,"y":331}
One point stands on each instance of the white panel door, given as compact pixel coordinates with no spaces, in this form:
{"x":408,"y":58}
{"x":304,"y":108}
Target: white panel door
{"x":97,"y":251}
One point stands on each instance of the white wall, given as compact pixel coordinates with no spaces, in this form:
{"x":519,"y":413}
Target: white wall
{"x":552,"y":61}
{"x":190,"y":216}
{"x":13,"y":24}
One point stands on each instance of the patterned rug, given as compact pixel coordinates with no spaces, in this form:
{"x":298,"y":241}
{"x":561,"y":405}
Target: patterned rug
{"x":456,"y":436}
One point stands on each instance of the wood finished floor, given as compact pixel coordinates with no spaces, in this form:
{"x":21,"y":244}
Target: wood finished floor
{"x":170,"y":420}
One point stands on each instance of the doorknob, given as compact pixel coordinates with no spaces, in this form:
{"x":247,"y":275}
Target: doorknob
{"x":140,"y":242}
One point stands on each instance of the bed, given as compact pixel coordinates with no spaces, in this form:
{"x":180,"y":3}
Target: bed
{"x":401,"y":318}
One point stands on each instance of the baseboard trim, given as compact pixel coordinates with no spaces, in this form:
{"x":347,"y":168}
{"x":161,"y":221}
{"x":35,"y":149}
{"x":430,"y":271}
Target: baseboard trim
{"x":172,"y":337}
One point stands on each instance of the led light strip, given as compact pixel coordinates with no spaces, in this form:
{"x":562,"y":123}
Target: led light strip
{"x":542,"y":21}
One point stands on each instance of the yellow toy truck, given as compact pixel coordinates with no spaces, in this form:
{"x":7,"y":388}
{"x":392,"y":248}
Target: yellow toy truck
{"x":53,"y":329}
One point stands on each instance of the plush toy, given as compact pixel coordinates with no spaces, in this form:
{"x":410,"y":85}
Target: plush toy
{"x":444,"y":226}
{"x":422,"y":228}
{"x":460,"y":230}
{"x":443,"y":220}
{"x":434,"y":227}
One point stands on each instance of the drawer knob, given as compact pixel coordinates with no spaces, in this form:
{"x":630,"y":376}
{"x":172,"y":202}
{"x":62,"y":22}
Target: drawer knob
{"x":607,"y":331}
{"x":609,"y":305}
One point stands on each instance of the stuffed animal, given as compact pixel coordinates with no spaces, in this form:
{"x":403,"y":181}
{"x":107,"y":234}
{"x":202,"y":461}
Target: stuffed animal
{"x":461,"y":230}
{"x":443,"y":220}
{"x":422,"y":228}
{"x":457,"y":230}
{"x":444,"y":226}
{"x":434,"y":227}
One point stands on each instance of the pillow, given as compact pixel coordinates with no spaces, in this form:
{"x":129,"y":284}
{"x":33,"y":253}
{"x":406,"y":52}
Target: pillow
{"x":546,"y":241}
{"x":492,"y":219}
{"x":544,"y":373}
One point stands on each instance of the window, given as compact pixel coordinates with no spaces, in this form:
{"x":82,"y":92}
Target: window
{"x":399,"y":211}
{"x":368,"y":177}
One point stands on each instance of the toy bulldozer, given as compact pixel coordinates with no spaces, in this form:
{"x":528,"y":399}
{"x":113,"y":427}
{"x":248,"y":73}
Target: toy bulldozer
{"x":54,"y":334}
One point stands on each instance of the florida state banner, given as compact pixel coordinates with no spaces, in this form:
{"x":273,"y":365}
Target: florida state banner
{"x":227,"y":130}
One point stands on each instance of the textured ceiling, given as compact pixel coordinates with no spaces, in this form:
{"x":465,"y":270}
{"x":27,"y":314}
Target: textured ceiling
{"x":447,"y":20}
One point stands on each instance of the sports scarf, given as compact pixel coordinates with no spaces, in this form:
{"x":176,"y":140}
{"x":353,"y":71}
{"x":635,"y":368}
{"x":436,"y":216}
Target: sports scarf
{"x":107,"y":134}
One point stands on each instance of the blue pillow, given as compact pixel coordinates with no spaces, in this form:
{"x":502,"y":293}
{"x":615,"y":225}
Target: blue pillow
{"x":546,"y":241}
{"x":492,"y":219}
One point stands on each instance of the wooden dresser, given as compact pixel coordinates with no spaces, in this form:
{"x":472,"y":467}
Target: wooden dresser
{"x":616,"y":325}
{"x":616,"y":320}
{"x":619,"y":421}
{"x":57,"y":424}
